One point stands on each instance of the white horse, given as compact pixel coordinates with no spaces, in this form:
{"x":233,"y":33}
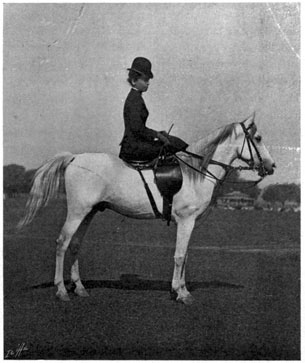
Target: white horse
{"x":97,"y":181}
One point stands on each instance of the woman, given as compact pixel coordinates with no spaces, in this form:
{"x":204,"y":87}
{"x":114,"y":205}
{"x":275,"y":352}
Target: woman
{"x":139,"y":142}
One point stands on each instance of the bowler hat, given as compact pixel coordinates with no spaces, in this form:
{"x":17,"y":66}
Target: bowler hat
{"x":142,"y":66}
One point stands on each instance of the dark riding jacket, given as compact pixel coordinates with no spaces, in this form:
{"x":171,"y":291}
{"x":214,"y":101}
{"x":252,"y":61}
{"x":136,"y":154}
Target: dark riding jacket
{"x":140,"y":142}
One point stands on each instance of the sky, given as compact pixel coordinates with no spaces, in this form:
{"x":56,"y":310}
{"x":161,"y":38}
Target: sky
{"x":64,"y":75}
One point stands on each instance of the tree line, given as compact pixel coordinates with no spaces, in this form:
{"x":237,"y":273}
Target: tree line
{"x":272,"y":193}
{"x":16,"y":180}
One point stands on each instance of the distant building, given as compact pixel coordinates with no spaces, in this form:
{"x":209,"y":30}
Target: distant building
{"x":277,"y":206}
{"x":235,"y":200}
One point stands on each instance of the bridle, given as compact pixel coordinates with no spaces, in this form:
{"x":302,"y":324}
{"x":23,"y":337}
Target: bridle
{"x":251,"y":144}
{"x":229,"y":168}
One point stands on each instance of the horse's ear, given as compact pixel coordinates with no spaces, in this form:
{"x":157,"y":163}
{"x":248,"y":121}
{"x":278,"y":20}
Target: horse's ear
{"x":249,"y":121}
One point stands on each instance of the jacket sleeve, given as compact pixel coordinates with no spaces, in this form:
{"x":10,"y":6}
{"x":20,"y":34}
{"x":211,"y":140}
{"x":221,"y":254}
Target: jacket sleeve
{"x":135,"y":123}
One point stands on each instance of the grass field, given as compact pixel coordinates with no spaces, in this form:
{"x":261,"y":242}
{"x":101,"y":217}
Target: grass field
{"x":243,"y":271}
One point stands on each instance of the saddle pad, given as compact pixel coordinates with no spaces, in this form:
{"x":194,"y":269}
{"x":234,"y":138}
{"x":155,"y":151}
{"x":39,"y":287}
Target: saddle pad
{"x":141,"y":165}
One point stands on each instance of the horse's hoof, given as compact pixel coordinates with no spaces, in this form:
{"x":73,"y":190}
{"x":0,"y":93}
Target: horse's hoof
{"x":62,"y":296}
{"x":81,"y":292}
{"x":187,"y":300}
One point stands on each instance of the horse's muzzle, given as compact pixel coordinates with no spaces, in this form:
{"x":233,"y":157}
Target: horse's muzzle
{"x":266,"y":168}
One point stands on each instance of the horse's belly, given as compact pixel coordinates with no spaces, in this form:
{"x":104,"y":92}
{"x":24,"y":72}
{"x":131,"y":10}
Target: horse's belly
{"x":128,"y":196}
{"x":139,"y":213}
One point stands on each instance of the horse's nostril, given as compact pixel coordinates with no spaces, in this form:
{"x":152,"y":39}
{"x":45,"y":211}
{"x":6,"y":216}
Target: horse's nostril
{"x":274,"y":165}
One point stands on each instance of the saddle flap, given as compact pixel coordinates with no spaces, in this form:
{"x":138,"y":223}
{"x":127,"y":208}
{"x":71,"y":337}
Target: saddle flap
{"x":168,"y":179}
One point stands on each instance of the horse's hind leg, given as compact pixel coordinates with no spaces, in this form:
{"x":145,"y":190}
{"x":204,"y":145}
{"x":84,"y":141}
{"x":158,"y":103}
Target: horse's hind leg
{"x":74,"y":249}
{"x":71,"y":225}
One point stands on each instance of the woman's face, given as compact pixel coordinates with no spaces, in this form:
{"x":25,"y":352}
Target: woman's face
{"x":141,"y":84}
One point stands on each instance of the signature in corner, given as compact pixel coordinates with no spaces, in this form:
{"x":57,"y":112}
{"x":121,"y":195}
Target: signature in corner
{"x":16,"y":353}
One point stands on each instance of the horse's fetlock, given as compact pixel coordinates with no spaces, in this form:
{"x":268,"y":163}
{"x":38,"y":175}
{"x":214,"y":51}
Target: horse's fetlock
{"x":58,"y":282}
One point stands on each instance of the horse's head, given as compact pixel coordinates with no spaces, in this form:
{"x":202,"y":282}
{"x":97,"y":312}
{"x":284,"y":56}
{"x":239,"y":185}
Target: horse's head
{"x":252,"y":150}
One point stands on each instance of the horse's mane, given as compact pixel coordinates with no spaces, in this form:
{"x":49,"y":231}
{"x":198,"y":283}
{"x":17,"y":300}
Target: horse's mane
{"x":206,"y":148}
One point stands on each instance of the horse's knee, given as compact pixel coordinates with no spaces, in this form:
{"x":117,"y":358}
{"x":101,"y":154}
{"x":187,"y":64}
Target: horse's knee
{"x":179,"y":260}
{"x":61,"y":245}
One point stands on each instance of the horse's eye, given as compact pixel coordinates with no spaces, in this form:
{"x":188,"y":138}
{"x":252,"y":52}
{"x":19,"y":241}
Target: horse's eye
{"x":258,"y":138}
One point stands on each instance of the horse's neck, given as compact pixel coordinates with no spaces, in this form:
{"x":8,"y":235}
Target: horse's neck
{"x":224,"y":153}
{"x":200,"y":145}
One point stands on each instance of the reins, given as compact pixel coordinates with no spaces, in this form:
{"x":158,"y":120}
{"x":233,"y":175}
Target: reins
{"x":229,"y":168}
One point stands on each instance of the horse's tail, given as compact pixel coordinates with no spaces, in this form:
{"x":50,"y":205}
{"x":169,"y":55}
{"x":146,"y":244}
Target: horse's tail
{"x":45,"y":185}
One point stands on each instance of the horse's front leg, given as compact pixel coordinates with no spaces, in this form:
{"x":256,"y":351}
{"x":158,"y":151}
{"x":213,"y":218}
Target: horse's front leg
{"x":184,"y":231}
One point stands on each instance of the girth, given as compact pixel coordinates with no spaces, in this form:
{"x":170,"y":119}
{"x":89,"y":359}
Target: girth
{"x":168,"y":178}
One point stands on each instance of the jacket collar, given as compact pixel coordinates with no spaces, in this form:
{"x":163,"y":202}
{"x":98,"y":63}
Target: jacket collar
{"x":135,"y":89}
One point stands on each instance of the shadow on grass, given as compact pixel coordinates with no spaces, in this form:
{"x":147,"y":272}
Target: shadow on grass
{"x":134,"y":282}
